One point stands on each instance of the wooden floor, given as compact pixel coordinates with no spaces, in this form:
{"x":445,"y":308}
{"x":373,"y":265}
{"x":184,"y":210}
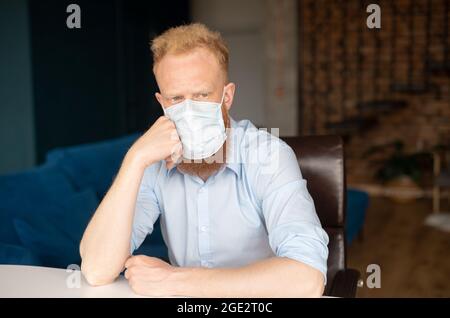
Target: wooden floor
{"x":414,"y":258}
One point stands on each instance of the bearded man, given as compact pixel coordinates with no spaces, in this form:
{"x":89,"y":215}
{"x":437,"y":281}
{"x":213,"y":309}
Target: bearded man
{"x":235,"y":212}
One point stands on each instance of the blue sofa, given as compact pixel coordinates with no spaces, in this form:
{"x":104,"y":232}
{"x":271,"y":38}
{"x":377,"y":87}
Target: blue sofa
{"x":44,"y":211}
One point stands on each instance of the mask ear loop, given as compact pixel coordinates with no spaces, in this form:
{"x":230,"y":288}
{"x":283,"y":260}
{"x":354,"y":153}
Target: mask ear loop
{"x":164,"y":110}
{"x":223,"y":97}
{"x":221,"y":104}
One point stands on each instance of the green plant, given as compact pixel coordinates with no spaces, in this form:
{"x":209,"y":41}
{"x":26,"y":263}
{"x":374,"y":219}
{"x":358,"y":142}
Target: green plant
{"x":391,"y":161}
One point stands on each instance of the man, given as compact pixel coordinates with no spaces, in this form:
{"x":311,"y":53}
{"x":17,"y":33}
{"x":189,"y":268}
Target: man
{"x":235,"y":212}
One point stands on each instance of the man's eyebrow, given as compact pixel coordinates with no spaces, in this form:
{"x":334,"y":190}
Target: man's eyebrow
{"x":200,"y":91}
{"x":203,"y":91}
{"x":171,"y":95}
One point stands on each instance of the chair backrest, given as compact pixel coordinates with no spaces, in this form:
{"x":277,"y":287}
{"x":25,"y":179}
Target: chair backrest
{"x":321,"y":160}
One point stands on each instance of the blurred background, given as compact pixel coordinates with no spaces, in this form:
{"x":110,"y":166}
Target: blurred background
{"x":73,"y":100}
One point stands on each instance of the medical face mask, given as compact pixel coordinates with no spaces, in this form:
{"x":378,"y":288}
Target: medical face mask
{"x":200,"y":126}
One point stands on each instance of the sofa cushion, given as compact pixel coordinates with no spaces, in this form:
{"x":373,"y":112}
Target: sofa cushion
{"x":17,"y":255}
{"x":44,"y":239}
{"x":32,"y":190}
{"x":55,"y":235}
{"x":92,"y":165}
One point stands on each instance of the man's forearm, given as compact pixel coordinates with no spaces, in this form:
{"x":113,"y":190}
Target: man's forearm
{"x":274,"y":277}
{"x":105,"y":244}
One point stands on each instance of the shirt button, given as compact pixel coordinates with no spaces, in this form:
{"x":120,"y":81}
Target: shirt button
{"x":203,"y":228}
{"x":201,"y":190}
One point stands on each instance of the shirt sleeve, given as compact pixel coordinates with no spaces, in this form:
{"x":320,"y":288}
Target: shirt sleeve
{"x":292,"y":224}
{"x":146,"y":211}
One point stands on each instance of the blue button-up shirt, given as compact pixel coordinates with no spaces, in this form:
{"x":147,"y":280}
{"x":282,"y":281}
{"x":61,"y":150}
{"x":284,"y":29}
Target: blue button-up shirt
{"x":255,"y":207}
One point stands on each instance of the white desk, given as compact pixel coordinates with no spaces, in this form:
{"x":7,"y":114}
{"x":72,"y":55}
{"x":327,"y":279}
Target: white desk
{"x":44,"y":282}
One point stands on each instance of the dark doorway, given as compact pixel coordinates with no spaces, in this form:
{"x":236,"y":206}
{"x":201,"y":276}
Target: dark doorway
{"x":96,"y":82}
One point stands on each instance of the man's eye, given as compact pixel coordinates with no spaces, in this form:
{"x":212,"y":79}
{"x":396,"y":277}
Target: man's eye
{"x":176,"y":98}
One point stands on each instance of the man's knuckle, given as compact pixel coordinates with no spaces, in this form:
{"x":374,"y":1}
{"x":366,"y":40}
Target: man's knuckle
{"x":132,"y":271}
{"x":129,"y":274}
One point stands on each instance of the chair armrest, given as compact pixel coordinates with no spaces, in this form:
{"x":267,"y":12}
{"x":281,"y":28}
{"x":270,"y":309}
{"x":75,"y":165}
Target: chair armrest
{"x":345,"y":283}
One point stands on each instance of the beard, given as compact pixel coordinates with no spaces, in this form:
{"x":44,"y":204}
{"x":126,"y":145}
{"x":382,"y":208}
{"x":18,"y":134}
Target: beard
{"x":208,"y":166}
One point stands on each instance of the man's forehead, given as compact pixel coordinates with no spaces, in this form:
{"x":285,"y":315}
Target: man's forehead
{"x":200,"y":58}
{"x":197,"y":58}
{"x":191,"y":89}
{"x":193,"y":54}
{"x":193,"y":72}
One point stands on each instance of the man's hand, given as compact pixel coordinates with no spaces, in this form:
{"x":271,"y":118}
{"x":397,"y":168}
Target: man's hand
{"x":160,"y":142}
{"x":150,"y":276}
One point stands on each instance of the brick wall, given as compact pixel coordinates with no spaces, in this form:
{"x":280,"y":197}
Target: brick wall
{"x":344,"y":64}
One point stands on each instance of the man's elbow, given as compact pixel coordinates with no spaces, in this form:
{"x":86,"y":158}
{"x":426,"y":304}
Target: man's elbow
{"x":93,"y":276}
{"x":316,"y":286}
{"x":96,"y":277}
{"x":310,"y":282}
{"x":303,"y":280}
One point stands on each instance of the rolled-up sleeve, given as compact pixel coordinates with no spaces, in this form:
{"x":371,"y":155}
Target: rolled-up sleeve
{"x":291,"y":220}
{"x":146,"y":211}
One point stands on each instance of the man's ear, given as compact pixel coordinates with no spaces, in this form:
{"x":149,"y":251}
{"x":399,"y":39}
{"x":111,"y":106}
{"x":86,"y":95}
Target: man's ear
{"x":160,"y":99}
{"x":229,"y":95}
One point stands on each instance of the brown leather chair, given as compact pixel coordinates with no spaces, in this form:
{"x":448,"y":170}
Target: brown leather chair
{"x":321,"y":160}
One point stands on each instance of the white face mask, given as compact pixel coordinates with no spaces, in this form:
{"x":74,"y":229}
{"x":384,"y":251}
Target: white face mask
{"x":200,"y":126}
